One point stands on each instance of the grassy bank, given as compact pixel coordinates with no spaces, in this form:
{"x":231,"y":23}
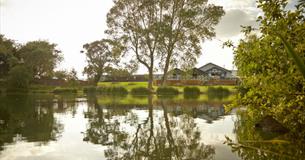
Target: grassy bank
{"x":134,"y":88}
{"x":131,"y":85}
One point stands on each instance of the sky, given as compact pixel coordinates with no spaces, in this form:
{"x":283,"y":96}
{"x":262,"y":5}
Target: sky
{"x":72,"y":23}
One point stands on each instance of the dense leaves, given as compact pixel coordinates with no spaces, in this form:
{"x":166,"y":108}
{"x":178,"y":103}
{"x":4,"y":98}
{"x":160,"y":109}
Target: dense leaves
{"x":101,"y":56}
{"x":7,"y":55}
{"x":273,"y":81}
{"x":165,"y":31}
{"x":19,"y":78}
{"x":40,"y":57}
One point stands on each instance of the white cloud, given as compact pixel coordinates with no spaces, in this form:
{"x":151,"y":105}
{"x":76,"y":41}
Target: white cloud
{"x":231,"y":23}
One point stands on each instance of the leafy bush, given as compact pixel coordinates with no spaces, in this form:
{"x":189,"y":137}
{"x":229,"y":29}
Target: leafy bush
{"x":112,"y":90}
{"x":191,"y":90}
{"x":90,"y":90}
{"x":218,"y":92}
{"x":65,"y":91}
{"x":19,"y":79}
{"x":140,"y":91}
{"x":167,"y":91}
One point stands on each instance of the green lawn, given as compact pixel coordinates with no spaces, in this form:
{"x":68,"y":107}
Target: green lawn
{"x":131,"y":85}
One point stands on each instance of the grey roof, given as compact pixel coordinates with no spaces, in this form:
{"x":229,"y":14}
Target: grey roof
{"x":209,"y":66}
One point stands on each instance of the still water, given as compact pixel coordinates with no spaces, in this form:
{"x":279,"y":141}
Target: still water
{"x":49,"y":127}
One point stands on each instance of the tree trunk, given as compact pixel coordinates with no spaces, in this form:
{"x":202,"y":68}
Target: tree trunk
{"x":150,"y":79}
{"x":164,"y":77}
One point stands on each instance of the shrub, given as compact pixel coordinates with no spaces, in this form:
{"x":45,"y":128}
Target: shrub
{"x":112,"y":90}
{"x":218,"y":92}
{"x":90,"y":90}
{"x":167,"y":91}
{"x":19,"y":79}
{"x":191,"y":90}
{"x":65,"y":91}
{"x":140,"y":91}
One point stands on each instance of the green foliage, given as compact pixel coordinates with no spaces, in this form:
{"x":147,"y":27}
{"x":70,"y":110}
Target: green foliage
{"x":72,"y":78}
{"x":101,"y":56}
{"x":62,"y":74}
{"x":272,"y":75}
{"x":168,"y":30}
{"x":167,"y":91}
{"x":19,"y":79}
{"x":140,"y":91}
{"x":40,"y":57}
{"x":7,"y":55}
{"x":90,"y":90}
{"x":65,"y":91}
{"x":218,"y":92}
{"x":112,"y":90}
{"x":297,"y":59}
{"x":191,"y":90}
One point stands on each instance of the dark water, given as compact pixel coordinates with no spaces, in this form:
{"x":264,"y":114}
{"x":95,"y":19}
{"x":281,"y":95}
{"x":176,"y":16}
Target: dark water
{"x":48,"y":127}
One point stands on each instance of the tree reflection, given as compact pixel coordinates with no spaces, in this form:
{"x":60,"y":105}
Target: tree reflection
{"x":24,"y":117}
{"x":253,"y":144}
{"x":159,"y":136}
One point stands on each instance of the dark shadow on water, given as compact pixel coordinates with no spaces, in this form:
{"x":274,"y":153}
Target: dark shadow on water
{"x":29,"y":117}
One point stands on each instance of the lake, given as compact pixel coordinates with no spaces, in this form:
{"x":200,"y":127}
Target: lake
{"x":64,"y":127}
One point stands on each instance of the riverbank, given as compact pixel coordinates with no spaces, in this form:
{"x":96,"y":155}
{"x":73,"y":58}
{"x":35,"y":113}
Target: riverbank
{"x":101,"y":88}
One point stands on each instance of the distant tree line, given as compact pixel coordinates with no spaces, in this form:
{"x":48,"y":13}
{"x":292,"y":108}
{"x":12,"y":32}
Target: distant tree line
{"x":20,"y":64}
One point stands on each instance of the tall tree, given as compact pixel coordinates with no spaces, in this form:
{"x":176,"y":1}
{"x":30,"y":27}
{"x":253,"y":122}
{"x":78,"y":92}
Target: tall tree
{"x":185,"y":25}
{"x":101,"y":56}
{"x":7,"y":54}
{"x":163,"y":30}
{"x":136,"y":24}
{"x":41,"y":57}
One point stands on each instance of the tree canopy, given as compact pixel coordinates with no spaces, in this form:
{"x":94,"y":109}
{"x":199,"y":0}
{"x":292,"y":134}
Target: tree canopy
{"x":8,"y":51}
{"x":41,"y":57}
{"x":271,"y":79}
{"x":101,"y":56}
{"x":162,"y":30}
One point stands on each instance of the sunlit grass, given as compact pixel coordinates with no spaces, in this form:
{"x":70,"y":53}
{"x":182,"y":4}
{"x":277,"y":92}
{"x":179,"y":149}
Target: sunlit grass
{"x":130,"y":85}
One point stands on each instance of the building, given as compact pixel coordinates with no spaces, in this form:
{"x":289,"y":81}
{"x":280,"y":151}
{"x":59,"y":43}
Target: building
{"x":208,"y":71}
{"x":205,"y":72}
{"x":216,"y":72}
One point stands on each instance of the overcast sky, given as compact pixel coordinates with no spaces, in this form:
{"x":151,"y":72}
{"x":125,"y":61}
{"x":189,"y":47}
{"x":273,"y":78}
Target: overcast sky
{"x":72,"y":23}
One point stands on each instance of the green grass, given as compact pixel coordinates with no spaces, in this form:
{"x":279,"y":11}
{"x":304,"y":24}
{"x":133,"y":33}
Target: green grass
{"x":130,"y":85}
{"x":140,"y":91}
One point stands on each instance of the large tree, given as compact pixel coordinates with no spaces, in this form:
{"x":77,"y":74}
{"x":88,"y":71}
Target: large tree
{"x":101,"y":56}
{"x":8,"y":53}
{"x":185,"y":25}
{"x":272,"y":81}
{"x":41,"y":57}
{"x":136,"y":23}
{"x":163,"y":30}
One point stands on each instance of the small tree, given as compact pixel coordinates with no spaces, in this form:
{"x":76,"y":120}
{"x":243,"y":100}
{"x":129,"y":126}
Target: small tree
{"x":101,"y":56}
{"x":72,"y":78}
{"x":19,"y":78}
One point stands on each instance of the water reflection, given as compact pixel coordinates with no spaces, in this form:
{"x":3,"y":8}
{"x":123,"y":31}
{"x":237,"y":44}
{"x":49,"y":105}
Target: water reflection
{"x":40,"y":127}
{"x":254,"y":144}
{"x":157,"y":135}
{"x":24,"y":118}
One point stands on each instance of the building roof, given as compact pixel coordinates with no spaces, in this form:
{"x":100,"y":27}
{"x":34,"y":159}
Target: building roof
{"x":209,"y":66}
{"x":198,"y":71}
